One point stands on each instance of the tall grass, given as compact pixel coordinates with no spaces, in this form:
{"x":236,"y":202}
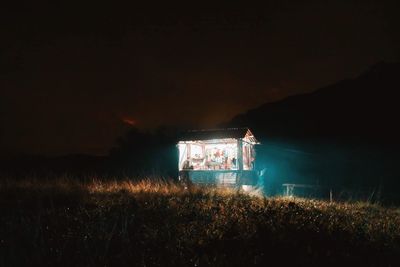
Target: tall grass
{"x":157,"y":223}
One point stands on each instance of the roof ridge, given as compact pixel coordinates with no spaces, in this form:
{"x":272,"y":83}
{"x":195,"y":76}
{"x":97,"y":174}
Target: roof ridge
{"x":218,"y":129}
{"x":210,"y":134}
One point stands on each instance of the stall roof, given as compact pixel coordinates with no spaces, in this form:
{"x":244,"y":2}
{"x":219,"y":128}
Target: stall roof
{"x":209,"y":134}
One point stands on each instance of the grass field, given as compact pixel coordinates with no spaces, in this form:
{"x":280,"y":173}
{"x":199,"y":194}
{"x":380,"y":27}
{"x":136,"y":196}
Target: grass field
{"x":63,"y":222}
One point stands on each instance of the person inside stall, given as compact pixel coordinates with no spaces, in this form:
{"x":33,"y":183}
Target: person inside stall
{"x":186,"y":165}
{"x":233,"y":163}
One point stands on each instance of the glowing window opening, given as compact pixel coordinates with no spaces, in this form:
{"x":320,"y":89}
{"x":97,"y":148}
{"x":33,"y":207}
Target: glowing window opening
{"x":218,"y":155}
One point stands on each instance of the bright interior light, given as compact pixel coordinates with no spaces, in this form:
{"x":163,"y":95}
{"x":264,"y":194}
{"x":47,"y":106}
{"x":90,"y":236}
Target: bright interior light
{"x":208,"y":156}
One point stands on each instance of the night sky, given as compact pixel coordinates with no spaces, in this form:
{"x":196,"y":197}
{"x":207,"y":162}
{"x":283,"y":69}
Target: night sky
{"x":75,"y":76}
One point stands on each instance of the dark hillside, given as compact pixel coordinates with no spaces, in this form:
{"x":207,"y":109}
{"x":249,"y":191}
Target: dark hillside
{"x":364,"y":108}
{"x":345,"y":135}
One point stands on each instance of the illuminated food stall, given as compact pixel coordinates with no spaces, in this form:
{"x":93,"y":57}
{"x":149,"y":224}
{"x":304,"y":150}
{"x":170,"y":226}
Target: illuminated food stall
{"x":221,"y":156}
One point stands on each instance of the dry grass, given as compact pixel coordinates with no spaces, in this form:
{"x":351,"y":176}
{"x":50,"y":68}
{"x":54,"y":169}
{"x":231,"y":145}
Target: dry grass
{"x":157,"y":223}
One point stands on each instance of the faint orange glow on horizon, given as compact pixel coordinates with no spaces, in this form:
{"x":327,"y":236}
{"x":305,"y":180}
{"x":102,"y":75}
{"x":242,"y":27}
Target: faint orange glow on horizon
{"x":129,"y":121}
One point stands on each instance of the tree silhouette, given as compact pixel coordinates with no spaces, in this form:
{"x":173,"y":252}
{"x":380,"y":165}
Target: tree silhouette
{"x":146,"y":153}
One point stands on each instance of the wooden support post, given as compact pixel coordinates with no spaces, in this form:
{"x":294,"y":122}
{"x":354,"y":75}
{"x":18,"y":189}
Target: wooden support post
{"x":189,"y":151}
{"x":240,"y":154}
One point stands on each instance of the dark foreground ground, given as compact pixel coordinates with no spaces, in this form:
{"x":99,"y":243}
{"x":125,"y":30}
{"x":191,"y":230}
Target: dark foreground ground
{"x":66,"y":223}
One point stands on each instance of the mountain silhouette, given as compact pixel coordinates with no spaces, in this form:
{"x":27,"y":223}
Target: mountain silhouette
{"x":362,"y":109}
{"x":345,"y":135}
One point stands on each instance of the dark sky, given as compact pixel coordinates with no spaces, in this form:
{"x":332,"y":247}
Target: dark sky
{"x":74,"y":76}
